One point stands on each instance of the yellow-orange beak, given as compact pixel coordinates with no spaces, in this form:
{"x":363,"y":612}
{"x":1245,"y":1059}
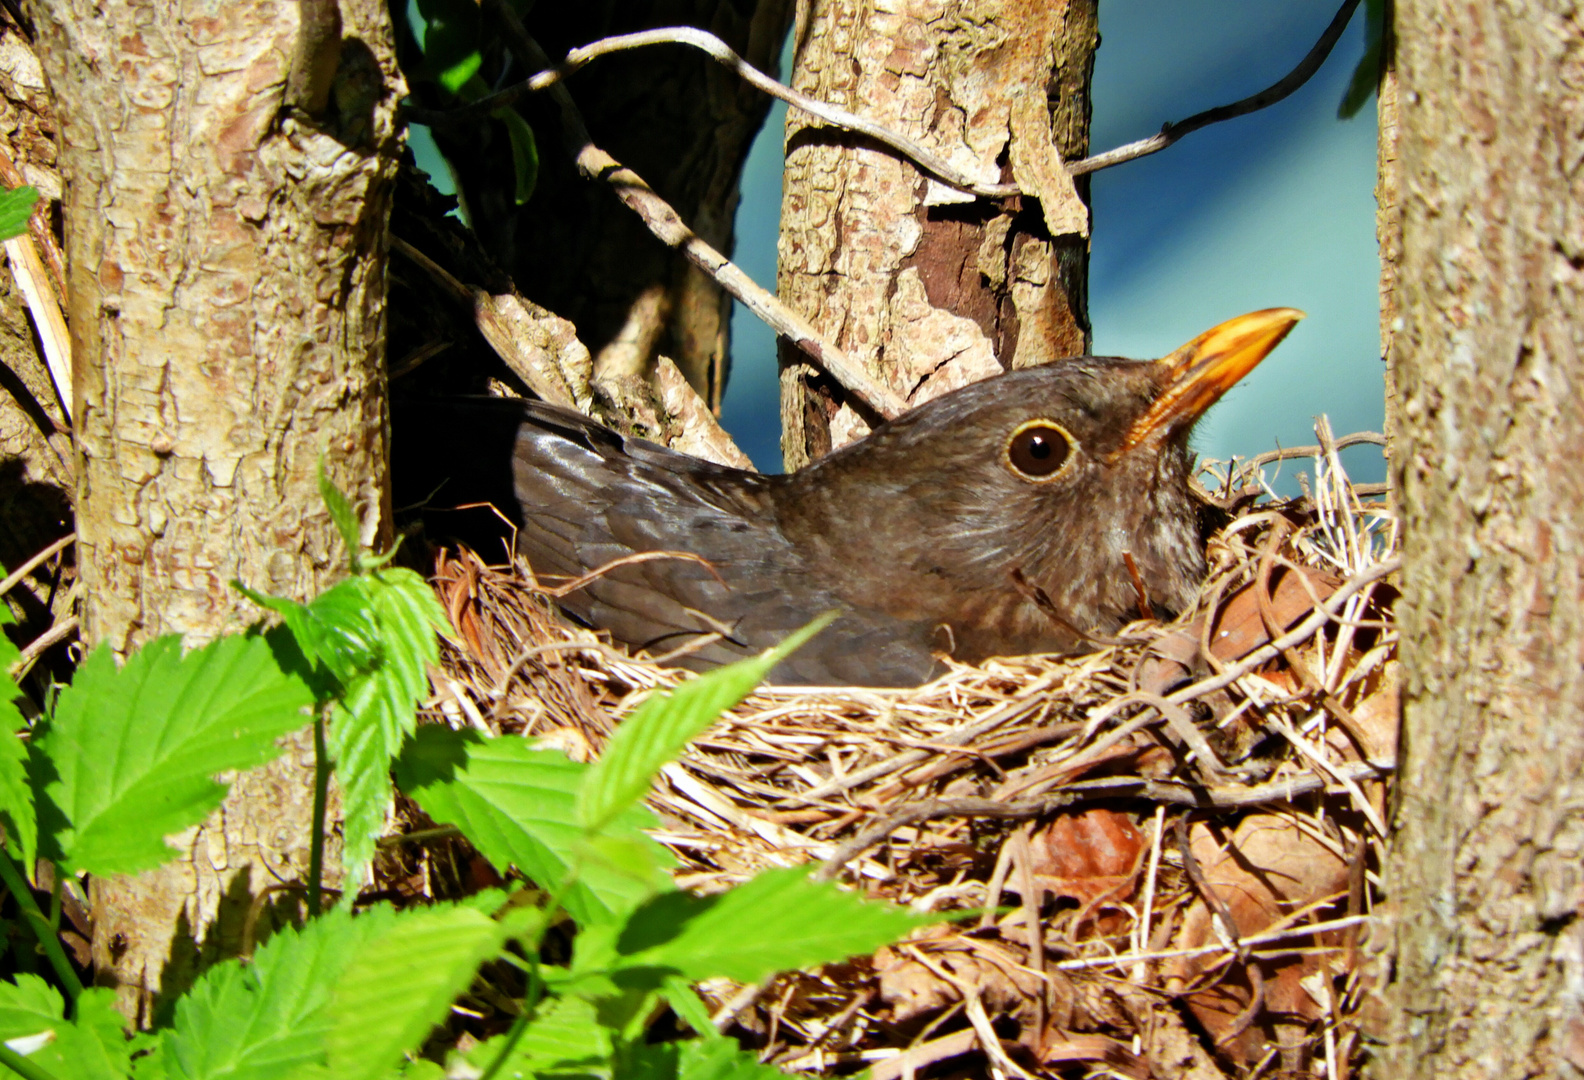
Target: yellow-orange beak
{"x":1196,"y":375}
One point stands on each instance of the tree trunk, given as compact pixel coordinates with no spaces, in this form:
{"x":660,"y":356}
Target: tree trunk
{"x":928,"y":288}
{"x":226,"y":280}
{"x":1484,"y":869}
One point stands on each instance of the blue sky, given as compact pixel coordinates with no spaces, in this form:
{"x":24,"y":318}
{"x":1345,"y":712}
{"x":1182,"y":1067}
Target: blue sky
{"x":1273,"y":209}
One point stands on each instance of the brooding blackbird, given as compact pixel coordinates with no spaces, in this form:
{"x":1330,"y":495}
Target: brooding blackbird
{"x":996,"y":520}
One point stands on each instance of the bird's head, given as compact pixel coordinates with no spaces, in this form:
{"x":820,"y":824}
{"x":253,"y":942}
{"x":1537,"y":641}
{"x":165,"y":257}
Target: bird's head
{"x":1055,"y":474}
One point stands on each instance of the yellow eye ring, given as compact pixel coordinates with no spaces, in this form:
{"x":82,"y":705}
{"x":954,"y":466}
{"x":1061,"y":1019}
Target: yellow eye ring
{"x":1038,"y":451}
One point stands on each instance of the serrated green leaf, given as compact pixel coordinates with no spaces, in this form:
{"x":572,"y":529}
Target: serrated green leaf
{"x":268,"y":1017}
{"x":659,"y":728}
{"x":9,"y":653}
{"x":136,"y":749}
{"x":516,"y":804}
{"x":17,"y":812}
{"x":338,"y":629}
{"x":363,"y":735}
{"x":28,"y":1006}
{"x":777,"y":921}
{"x":400,"y":984}
{"x":378,"y":710}
{"x":564,"y":1038}
{"x":342,"y":514}
{"x":94,"y":1047}
{"x":409,"y":617}
{"x":696,"y":1059}
{"x":16,"y":206}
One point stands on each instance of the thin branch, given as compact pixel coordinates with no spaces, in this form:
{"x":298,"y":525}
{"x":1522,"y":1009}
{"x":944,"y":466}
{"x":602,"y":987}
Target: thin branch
{"x":717,"y":49}
{"x":667,"y":225}
{"x":28,"y":567}
{"x":1232,"y":796}
{"x":59,"y":631}
{"x":1170,"y":133}
{"x":1291,"y":453}
{"x":928,"y":161}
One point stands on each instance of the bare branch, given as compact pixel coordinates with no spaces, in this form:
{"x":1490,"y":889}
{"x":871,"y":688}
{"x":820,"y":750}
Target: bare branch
{"x":1170,"y":133}
{"x":718,"y":50}
{"x":667,"y":225}
{"x":927,"y":160}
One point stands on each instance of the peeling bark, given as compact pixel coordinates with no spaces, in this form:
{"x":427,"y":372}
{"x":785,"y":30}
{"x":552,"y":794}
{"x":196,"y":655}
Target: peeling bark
{"x":929,"y":288}
{"x":226,"y":281}
{"x":1486,"y":869}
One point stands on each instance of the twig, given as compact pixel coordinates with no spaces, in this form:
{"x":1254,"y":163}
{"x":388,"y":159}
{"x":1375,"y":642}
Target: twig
{"x":1301,"y":632}
{"x":717,"y":49}
{"x":498,"y":319}
{"x":1196,"y":875}
{"x":1232,"y":796}
{"x":60,"y":631}
{"x":1121,"y":959}
{"x":551,"y":75}
{"x":32,"y":564}
{"x":668,"y":227}
{"x":1170,"y":133}
{"x":1289,"y":453}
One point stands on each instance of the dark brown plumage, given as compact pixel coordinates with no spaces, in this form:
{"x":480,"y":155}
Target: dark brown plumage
{"x":996,"y":520}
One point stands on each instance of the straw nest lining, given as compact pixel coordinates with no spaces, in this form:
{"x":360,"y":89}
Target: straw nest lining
{"x":1191,"y":817}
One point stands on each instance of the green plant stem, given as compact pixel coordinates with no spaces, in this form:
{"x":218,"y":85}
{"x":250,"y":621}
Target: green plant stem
{"x":22,"y":1066}
{"x":530,"y":1006}
{"x":321,"y":797}
{"x":41,"y":927}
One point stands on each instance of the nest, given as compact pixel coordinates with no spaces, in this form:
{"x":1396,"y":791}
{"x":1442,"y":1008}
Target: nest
{"x":1171,"y":843}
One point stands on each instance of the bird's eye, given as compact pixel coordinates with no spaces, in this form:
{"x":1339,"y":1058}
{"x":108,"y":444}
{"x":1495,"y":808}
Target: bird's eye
{"x":1038,"y":449}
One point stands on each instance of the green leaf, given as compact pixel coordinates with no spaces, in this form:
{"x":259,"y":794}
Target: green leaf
{"x":696,"y":1059}
{"x":450,"y":41}
{"x":16,"y":206}
{"x":400,"y":984}
{"x":268,"y":1017}
{"x":1366,"y":76}
{"x":341,"y":512}
{"x":525,"y":152}
{"x":516,"y":804}
{"x":659,"y":728}
{"x":337,"y":630}
{"x":689,"y":1007}
{"x":378,"y":711}
{"x":776,"y":921}
{"x":564,"y":1037}
{"x":94,"y":1047}
{"x":17,"y":811}
{"x":136,"y":749}
{"x":28,"y":1006}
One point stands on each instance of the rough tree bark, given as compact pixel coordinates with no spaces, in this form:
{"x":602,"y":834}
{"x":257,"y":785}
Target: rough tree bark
{"x":928,"y":288}
{"x":226,"y":286}
{"x":1485,"y":870}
